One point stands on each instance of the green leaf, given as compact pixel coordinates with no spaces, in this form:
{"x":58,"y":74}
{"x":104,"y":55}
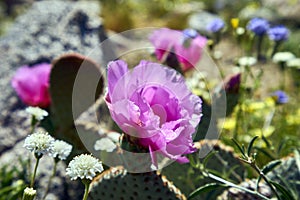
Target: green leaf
{"x":281,"y":145}
{"x":270,"y":166}
{"x":264,"y":151}
{"x":266,"y":141}
{"x":267,"y":168}
{"x":285,"y":192}
{"x":239,"y":146}
{"x":204,"y":189}
{"x":210,"y":154}
{"x":251,"y":145}
{"x":297,"y":158}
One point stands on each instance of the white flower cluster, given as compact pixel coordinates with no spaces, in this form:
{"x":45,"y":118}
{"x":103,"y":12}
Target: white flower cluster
{"x":283,"y":57}
{"x":107,"y":143}
{"x":294,"y":63}
{"x":247,"y":61}
{"x":37,"y":112}
{"x":29,"y":193}
{"x":40,"y":143}
{"x":84,"y":167}
{"x":60,"y":150}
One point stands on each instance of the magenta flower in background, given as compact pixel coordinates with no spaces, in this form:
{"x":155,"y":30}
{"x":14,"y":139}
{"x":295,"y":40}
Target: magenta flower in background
{"x":278,"y":33}
{"x":232,"y":83}
{"x":152,"y":103}
{"x":32,"y":84}
{"x":215,"y":25}
{"x":187,"y":45}
{"x":259,"y":26}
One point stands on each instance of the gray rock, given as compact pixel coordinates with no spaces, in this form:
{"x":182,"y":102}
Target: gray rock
{"x":249,"y":12}
{"x":200,"y":20}
{"x":288,"y":11}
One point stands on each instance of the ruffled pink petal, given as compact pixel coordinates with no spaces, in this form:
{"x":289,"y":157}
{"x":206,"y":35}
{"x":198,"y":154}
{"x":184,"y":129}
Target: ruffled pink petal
{"x":115,"y":70}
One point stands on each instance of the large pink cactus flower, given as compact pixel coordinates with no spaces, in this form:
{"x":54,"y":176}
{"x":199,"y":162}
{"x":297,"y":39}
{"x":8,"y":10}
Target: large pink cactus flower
{"x":187,"y":45}
{"x":152,"y":103}
{"x":32,"y":84}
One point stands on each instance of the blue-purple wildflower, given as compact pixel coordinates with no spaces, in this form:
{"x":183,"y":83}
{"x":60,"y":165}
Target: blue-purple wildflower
{"x":280,"y":97}
{"x":278,"y":33}
{"x":215,"y":25}
{"x":259,"y":26}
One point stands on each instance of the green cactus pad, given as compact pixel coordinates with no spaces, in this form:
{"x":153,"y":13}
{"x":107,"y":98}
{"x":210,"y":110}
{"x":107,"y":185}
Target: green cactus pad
{"x":116,"y":183}
{"x":71,"y":80}
{"x":65,"y":79}
{"x":222,"y":161}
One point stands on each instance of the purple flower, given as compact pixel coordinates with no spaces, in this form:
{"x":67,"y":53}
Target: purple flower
{"x":187,"y":45}
{"x":32,"y":84}
{"x":258,"y":25}
{"x":278,"y":33}
{"x":153,"y":104}
{"x":215,"y":25}
{"x":232,"y":83}
{"x":190,"y":33}
{"x":280,"y":97}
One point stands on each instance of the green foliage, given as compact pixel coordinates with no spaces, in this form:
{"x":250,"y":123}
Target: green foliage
{"x":293,"y":44}
{"x":221,"y":161}
{"x":286,"y":176}
{"x":204,"y":189}
{"x":116,"y":183}
{"x":13,"y":180}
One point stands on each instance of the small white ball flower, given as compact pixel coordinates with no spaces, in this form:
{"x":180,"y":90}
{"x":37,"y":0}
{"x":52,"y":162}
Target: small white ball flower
{"x":60,"y":149}
{"x":283,"y":57}
{"x":37,"y":112}
{"x":294,"y":63}
{"x":247,"y":61}
{"x":84,"y":166}
{"x":40,"y":143}
{"x":105,"y":144}
{"x":240,"y":31}
{"x":29,"y":193}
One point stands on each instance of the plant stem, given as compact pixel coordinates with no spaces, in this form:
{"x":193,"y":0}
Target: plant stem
{"x":259,"y":46}
{"x":256,"y":168}
{"x":33,"y":124}
{"x":275,"y":48}
{"x":34,"y":172}
{"x":212,"y":176}
{"x":50,"y":179}
{"x":86,"y":191}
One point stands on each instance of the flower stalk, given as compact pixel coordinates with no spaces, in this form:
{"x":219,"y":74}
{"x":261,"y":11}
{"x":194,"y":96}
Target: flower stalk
{"x":35,"y":170}
{"x":252,"y":163}
{"x":87,"y":187}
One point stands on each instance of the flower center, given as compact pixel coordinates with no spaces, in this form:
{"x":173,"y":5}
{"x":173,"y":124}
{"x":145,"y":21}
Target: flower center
{"x":162,"y":103}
